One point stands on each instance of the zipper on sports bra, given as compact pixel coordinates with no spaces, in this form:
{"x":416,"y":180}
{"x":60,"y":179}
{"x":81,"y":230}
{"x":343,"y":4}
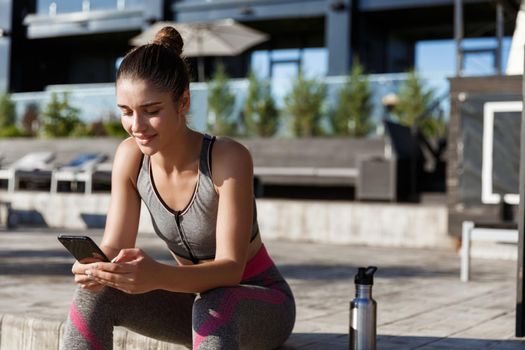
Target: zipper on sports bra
{"x":183,"y":239}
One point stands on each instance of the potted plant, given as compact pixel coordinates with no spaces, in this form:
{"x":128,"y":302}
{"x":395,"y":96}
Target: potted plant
{"x":352,"y":115}
{"x":261,"y":116}
{"x":304,"y":106}
{"x":221,"y":101}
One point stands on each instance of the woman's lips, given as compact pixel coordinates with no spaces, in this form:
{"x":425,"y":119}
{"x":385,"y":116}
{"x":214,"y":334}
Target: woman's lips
{"x":144,"y":139}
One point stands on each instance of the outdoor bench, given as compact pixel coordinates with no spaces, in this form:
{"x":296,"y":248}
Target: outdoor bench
{"x":493,"y":232}
{"x":311,"y":161}
{"x":7,"y":218}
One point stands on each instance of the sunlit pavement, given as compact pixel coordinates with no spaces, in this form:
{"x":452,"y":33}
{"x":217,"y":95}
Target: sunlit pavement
{"x":421,"y":302}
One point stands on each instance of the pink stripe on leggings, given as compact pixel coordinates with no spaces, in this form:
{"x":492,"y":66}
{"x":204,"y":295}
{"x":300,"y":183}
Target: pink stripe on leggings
{"x":226,"y":309}
{"x":259,"y":263}
{"x":82,"y":327}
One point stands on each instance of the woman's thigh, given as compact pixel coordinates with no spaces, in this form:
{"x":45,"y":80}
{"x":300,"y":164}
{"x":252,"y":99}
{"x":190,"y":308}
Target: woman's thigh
{"x":157,"y":314}
{"x":245,"y":317}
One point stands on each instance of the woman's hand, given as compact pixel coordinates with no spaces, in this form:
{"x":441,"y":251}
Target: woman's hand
{"x":131,"y":271}
{"x":85,"y":282}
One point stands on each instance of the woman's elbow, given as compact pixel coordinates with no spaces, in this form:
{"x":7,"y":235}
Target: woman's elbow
{"x":235,"y":274}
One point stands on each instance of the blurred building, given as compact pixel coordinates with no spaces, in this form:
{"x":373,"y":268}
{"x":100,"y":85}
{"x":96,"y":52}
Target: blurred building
{"x":44,"y":42}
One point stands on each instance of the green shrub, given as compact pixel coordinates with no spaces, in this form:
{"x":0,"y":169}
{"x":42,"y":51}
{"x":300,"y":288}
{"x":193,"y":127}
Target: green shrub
{"x":352,"y":115}
{"x":59,"y":118}
{"x":7,"y":111}
{"x":8,"y":127}
{"x":304,"y":106}
{"x":114,"y":129}
{"x":413,"y":107}
{"x":221,"y":101}
{"x":261,"y":116}
{"x":81,"y":130}
{"x":12,"y":131}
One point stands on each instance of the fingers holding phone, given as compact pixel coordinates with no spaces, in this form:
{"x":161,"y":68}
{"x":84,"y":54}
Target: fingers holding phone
{"x":90,"y":258}
{"x":86,"y":252}
{"x":79,"y":270}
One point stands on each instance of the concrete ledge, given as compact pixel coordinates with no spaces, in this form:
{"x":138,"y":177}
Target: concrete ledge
{"x":124,"y":339}
{"x":379,"y":224}
{"x":23,"y":333}
{"x":28,"y":333}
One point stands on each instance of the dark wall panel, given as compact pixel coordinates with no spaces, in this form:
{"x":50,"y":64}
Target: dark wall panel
{"x":465,"y":130}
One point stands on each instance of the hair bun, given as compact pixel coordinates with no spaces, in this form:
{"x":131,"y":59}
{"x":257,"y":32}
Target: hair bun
{"x":170,"y":38}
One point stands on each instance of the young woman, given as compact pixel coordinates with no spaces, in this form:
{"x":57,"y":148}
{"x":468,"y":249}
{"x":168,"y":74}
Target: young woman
{"x":225,"y":292}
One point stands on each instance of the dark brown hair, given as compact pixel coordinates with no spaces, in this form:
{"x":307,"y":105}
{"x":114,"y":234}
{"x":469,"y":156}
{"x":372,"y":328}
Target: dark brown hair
{"x":159,"y":63}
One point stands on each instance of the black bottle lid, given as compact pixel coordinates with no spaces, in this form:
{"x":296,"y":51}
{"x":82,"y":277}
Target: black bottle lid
{"x":365,"y":275}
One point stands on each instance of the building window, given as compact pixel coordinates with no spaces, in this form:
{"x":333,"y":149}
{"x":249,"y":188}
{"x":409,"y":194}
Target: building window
{"x":49,"y":7}
{"x":53,"y":7}
{"x":282,"y":67}
{"x":315,"y":61}
{"x":95,"y":5}
{"x":437,"y":57}
{"x":285,"y":63}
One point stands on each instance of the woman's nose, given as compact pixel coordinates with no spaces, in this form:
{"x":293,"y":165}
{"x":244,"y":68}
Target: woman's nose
{"x":138,"y":123}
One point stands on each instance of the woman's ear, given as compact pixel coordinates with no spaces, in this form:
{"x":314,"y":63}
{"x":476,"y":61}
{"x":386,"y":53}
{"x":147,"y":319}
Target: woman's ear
{"x":185,"y":102}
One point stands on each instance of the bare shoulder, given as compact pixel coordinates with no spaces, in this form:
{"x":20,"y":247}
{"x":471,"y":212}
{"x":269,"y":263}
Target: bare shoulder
{"x":127,"y":160}
{"x":230,"y":159}
{"x":228,"y":150}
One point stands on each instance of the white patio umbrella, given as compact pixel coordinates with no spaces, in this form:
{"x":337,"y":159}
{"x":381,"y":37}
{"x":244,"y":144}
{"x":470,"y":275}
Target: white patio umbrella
{"x":218,"y":38}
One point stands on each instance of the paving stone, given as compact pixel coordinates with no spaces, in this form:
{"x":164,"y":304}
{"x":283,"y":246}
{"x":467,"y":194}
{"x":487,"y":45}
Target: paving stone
{"x":421,"y":302}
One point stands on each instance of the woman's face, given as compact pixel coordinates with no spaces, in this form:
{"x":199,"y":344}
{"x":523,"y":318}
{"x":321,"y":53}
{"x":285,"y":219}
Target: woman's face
{"x":149,"y":115}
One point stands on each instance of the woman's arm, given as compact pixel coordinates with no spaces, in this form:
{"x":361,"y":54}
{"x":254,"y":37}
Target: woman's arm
{"x":124,"y":208}
{"x":233,"y":177}
{"x":123,"y":214}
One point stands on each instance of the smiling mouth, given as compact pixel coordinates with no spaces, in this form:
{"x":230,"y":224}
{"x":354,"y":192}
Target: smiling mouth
{"x":144,"y":139}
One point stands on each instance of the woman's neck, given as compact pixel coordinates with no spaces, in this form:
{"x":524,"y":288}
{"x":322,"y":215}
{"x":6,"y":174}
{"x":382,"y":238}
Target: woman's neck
{"x":181,"y":152}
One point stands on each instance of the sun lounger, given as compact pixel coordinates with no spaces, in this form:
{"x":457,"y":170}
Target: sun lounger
{"x":102,"y":175}
{"x":33,"y":167}
{"x":80,"y":169}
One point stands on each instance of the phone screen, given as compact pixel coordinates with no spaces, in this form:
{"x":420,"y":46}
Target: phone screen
{"x":82,"y":247}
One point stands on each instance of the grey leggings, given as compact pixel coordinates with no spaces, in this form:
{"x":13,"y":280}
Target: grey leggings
{"x":257,"y":314}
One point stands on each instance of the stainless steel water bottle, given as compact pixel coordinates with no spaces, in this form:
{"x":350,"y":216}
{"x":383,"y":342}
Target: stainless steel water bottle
{"x":363,"y":311}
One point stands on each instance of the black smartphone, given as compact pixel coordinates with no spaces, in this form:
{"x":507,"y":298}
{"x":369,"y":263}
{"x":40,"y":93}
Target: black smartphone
{"x":82,"y":247}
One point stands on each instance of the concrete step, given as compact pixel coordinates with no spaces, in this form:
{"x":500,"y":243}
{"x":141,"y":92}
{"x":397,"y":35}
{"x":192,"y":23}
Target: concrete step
{"x":339,"y":222}
{"x":25,"y":333}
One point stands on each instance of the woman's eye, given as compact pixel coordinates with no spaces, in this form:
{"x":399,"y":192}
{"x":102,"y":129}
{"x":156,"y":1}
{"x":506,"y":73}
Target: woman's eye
{"x":127,"y":113}
{"x":153,"y":112}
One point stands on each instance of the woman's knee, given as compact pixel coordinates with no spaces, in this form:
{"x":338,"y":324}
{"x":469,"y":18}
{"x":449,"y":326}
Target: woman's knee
{"x":213,"y":313}
{"x":104,"y":301}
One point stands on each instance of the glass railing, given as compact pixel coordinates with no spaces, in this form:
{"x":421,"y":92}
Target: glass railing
{"x":97,"y":101}
{"x":50,"y":7}
{"x":205,"y":1}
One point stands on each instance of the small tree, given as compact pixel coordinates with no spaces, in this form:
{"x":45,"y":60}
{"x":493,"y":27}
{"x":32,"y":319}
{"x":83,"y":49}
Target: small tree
{"x":352,"y":115}
{"x":261,"y":116}
{"x":221,"y":101}
{"x":413,"y":107}
{"x":60,"y":119}
{"x":304,"y":105}
{"x":8,"y":127}
{"x":7,"y":111}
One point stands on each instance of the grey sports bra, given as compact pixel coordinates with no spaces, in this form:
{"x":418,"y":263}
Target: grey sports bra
{"x":189,"y":233}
